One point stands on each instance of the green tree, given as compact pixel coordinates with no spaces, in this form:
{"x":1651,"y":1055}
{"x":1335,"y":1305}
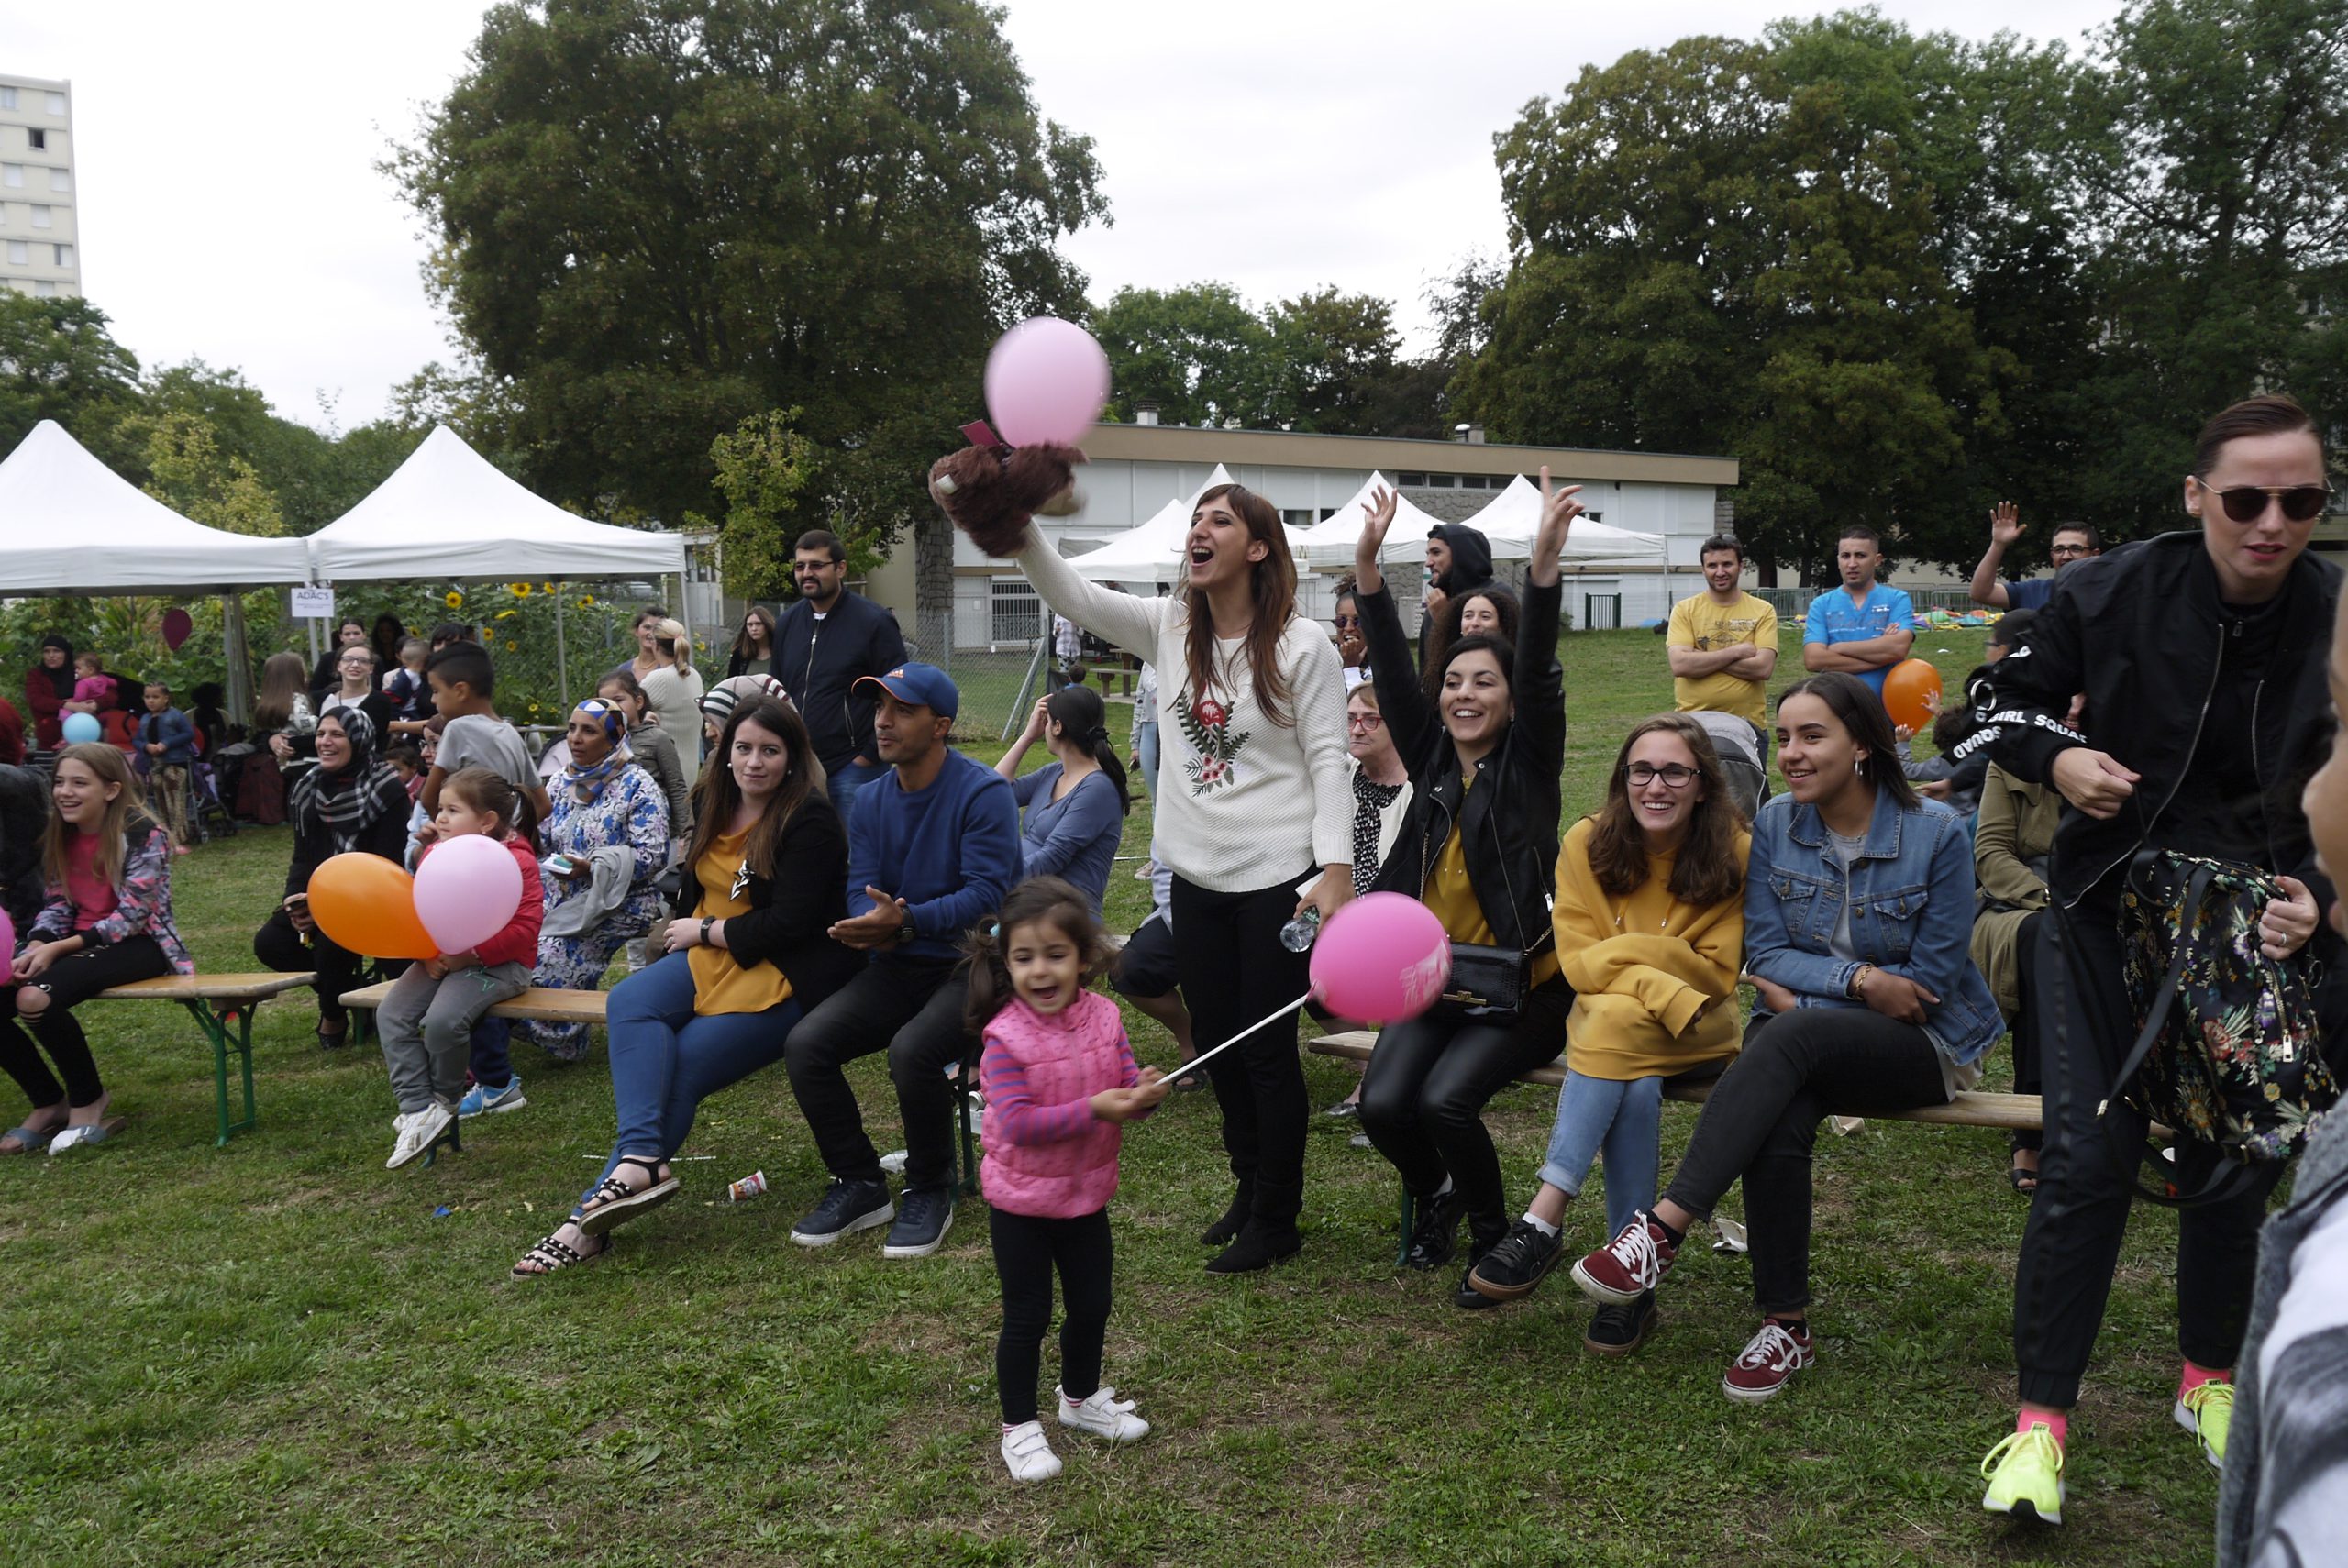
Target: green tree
{"x":1339,"y":356}
{"x":59,"y":361}
{"x":189,"y":472}
{"x":764,"y":470}
{"x":1198,"y":353}
{"x":661,"y":217}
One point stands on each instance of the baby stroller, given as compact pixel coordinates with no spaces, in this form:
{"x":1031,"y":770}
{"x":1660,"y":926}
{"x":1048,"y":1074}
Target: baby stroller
{"x":205,"y":809}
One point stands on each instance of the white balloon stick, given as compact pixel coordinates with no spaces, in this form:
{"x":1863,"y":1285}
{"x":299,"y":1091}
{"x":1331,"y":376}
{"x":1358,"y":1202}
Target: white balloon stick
{"x":1272,"y":1017}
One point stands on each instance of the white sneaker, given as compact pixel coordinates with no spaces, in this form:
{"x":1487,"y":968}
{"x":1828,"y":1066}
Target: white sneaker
{"x":419,"y":1131}
{"x":1028,"y":1452}
{"x":1102,"y":1414}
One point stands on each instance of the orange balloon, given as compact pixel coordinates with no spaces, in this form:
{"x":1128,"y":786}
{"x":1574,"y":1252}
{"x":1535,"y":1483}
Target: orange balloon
{"x":1906,"y":690}
{"x":367,"y":904}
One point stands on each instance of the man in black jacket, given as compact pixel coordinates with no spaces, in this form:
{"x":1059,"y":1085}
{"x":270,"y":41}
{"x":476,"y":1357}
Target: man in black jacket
{"x":828,"y":640}
{"x":2200,"y":658}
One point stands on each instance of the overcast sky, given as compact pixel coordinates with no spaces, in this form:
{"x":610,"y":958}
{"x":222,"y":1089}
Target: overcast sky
{"x":230,"y":206}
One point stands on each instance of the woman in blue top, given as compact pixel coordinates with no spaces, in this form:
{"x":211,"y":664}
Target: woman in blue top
{"x":1859,"y":923}
{"x":1075,"y":805}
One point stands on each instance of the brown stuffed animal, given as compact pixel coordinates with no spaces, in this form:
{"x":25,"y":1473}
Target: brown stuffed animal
{"x":991,"y":492}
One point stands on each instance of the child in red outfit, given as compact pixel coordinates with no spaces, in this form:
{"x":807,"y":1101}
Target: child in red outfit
{"x":428,"y":1019}
{"x":1060,"y":1079}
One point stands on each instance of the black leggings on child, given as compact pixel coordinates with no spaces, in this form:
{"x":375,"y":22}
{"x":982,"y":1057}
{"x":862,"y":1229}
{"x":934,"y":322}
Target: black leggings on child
{"x":1027,"y":1246}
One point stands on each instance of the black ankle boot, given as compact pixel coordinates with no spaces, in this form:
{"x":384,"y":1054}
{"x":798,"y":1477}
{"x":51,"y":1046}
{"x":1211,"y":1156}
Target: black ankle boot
{"x":1258,"y":1246}
{"x":1222,"y":1233}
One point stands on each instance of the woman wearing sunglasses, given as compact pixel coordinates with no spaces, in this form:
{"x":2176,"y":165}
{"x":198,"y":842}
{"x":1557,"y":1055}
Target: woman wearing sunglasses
{"x":2201,"y":659}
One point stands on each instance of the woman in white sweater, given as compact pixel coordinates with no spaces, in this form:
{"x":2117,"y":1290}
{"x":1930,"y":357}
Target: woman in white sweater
{"x":1252,"y":799}
{"x":674,"y":690}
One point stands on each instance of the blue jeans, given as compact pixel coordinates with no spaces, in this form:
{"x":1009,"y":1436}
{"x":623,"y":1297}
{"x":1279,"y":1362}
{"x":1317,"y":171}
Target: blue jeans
{"x":1621,"y":1118}
{"x":665,"y":1060}
{"x":1145,"y":747}
{"x":843,"y":781}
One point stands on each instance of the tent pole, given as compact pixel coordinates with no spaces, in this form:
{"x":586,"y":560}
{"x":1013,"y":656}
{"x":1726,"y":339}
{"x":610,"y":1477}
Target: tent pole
{"x":562,"y":642}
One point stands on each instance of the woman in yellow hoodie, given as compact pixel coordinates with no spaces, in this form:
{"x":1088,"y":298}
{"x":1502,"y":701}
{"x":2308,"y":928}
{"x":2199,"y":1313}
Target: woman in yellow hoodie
{"x":1650,"y":924}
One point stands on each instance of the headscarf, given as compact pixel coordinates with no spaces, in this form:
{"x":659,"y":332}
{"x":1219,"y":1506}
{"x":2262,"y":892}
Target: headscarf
{"x":62,"y":676}
{"x":722,"y":698}
{"x":587,"y":784}
{"x":343,"y":804}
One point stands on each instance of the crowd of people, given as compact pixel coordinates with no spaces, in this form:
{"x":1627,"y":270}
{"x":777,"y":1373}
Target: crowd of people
{"x":810,"y":872}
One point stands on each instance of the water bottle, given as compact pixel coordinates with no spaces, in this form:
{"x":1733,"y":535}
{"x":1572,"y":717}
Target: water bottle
{"x":1297,"y":935}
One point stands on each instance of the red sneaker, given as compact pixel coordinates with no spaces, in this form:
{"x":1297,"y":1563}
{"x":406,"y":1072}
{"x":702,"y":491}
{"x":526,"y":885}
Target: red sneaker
{"x":1776,"y":1354}
{"x":1629,"y":1266}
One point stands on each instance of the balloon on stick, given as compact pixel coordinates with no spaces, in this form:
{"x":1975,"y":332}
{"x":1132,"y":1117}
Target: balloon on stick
{"x":176,"y":627}
{"x":367,"y":904}
{"x":466,"y":890}
{"x":1046,"y":380}
{"x":1381,"y":958}
{"x":79,"y":729}
{"x":1909,"y":691}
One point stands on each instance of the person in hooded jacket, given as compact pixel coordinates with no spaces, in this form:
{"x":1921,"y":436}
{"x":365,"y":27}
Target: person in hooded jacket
{"x":1479,"y":848}
{"x":1459,"y":560}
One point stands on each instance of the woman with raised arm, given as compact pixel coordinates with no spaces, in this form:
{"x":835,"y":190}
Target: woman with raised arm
{"x":1252,"y":801}
{"x":1477,"y":848}
{"x":1071,"y":809}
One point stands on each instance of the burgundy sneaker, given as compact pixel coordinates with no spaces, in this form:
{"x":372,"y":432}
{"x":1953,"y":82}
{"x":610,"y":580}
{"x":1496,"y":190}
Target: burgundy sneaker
{"x":1629,"y":1266}
{"x":1776,"y":1354}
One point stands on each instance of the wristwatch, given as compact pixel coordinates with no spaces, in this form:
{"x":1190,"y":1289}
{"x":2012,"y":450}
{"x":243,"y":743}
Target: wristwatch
{"x":707,"y":920}
{"x":905,"y":932}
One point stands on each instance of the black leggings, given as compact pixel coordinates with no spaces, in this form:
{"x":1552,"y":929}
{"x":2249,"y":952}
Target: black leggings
{"x":2025,"y":1023}
{"x":1026,"y":1247}
{"x":1234,"y":971}
{"x":1762,"y":1119}
{"x":280,"y":947}
{"x":1422,"y":1098}
{"x":69,"y":981}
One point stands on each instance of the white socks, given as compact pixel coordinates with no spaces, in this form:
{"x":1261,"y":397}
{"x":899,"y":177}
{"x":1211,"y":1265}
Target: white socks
{"x":1541,"y":1225}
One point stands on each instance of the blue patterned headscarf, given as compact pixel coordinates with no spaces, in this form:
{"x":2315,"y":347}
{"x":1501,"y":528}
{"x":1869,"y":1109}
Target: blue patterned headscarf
{"x":587,"y":784}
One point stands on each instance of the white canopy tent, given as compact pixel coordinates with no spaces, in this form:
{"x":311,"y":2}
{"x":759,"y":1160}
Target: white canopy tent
{"x":71,"y":524}
{"x":1512,"y":519}
{"x":447,"y":512}
{"x":1331,"y":541}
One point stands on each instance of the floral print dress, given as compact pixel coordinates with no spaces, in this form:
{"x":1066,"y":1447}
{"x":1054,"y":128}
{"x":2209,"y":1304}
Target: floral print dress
{"x":632,"y":813}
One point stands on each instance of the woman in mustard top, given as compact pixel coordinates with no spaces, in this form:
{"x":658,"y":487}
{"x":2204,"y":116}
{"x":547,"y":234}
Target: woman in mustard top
{"x":748,"y":954}
{"x":1650,"y":918}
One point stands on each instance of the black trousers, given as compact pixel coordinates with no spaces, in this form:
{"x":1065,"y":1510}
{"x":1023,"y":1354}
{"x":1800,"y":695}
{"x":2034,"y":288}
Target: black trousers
{"x":914,"y":1012}
{"x":280,"y":947}
{"x":1027,"y":1247}
{"x":1761,"y":1122}
{"x":2024,"y":1025}
{"x":1234,"y":971}
{"x":71,"y":980}
{"x":2077,"y":1216}
{"x":1422,"y":1098}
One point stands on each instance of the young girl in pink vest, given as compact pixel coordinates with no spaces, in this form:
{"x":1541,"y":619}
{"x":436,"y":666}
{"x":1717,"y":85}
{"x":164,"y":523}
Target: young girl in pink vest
{"x":1059,"y":1079}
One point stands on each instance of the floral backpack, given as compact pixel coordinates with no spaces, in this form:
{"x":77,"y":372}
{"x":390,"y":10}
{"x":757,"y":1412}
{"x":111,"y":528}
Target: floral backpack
{"x":2228,"y":1051}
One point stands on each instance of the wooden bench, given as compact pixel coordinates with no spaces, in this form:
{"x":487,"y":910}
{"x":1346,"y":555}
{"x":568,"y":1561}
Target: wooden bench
{"x":1970,"y":1108}
{"x":554,"y":1006}
{"x":217,"y":1002}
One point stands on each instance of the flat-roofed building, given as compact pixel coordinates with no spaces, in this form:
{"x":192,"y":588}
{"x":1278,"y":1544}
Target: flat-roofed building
{"x":40,"y":243}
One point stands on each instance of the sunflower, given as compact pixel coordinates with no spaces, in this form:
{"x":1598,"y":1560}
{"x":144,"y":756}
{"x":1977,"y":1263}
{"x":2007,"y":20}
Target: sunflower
{"x":519,"y":590}
{"x":512,"y":645}
{"x":546,"y":588}
{"x":506,"y":614}
{"x":586,"y":602}
{"x":452,"y":599}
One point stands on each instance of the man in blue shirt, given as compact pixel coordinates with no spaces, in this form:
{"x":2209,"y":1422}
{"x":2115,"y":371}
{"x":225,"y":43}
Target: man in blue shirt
{"x":933,"y":847}
{"x":1864,"y":627}
{"x":2073,"y":542}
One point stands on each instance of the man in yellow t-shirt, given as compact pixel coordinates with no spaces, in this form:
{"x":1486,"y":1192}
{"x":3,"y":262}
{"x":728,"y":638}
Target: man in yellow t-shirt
{"x":1723,"y":642}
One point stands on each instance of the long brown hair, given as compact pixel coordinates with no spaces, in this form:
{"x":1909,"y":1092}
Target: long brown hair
{"x":283,"y":678}
{"x":716,"y":796}
{"x":1272,"y":586}
{"x":128,"y":806}
{"x":1047,"y":898}
{"x":1705,"y":871}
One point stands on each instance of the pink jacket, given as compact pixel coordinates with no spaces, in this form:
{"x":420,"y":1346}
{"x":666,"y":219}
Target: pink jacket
{"x":1046,"y":1154}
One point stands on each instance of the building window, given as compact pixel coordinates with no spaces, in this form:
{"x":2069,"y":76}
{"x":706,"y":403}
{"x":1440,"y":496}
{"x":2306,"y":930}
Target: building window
{"x":40,"y":217}
{"x":19,"y":253}
{"x":1300,"y":519}
{"x":12,"y":174}
{"x":61,"y":179}
{"x":66,"y":256}
{"x":1414,"y":481}
{"x":8,"y":97}
{"x":1435,"y":481}
{"x":36,"y":139}
{"x":44,"y":289}
{"x":1015,"y":614}
{"x":57,"y":103}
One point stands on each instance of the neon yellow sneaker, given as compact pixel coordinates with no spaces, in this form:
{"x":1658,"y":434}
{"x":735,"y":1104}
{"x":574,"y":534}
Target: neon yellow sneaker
{"x":2026,"y":1476}
{"x":2208,"y":1413}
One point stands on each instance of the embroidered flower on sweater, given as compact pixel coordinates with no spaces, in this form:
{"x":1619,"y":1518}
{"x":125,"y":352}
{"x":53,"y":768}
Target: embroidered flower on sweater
{"x":1214,"y":749}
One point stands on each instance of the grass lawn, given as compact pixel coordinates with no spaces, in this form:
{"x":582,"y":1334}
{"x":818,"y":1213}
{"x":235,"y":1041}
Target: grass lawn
{"x":278,"y":1353}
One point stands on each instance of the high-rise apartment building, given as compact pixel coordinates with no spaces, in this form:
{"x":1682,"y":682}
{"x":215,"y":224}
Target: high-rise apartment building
{"x":40,"y":245}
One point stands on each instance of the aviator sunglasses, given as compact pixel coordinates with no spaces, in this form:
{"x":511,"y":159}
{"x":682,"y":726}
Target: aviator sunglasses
{"x":2300,"y":504}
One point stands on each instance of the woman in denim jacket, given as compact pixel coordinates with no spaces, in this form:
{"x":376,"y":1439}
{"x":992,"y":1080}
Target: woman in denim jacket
{"x":1858,"y":921}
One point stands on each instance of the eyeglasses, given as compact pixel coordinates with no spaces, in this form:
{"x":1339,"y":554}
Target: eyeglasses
{"x":2300,"y":502}
{"x":1673,"y":775}
{"x":2072,"y":552}
{"x":1364,"y":722}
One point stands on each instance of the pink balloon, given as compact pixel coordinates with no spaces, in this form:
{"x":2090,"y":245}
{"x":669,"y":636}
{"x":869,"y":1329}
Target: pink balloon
{"x":465,"y":891}
{"x":1381,"y":958}
{"x":1047,"y":382}
{"x":7,"y":948}
{"x":176,"y":627}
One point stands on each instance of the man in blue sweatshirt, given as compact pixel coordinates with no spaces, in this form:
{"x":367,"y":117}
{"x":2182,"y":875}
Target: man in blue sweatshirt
{"x":933,"y":847}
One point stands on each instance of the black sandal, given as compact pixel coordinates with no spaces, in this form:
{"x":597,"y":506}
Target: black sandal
{"x":553,"y":1254}
{"x":2024,"y":1177}
{"x":614,"y":1203}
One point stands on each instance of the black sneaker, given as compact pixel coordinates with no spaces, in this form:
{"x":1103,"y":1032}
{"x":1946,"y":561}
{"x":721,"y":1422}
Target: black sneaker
{"x":1620,"y":1329}
{"x":849,"y":1206}
{"x":1525,"y":1257}
{"x":1435,"y":1237}
{"x":922,"y":1223}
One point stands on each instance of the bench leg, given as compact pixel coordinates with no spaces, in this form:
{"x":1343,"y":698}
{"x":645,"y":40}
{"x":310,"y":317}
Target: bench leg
{"x":966,"y":1151}
{"x":214,"y":1020}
